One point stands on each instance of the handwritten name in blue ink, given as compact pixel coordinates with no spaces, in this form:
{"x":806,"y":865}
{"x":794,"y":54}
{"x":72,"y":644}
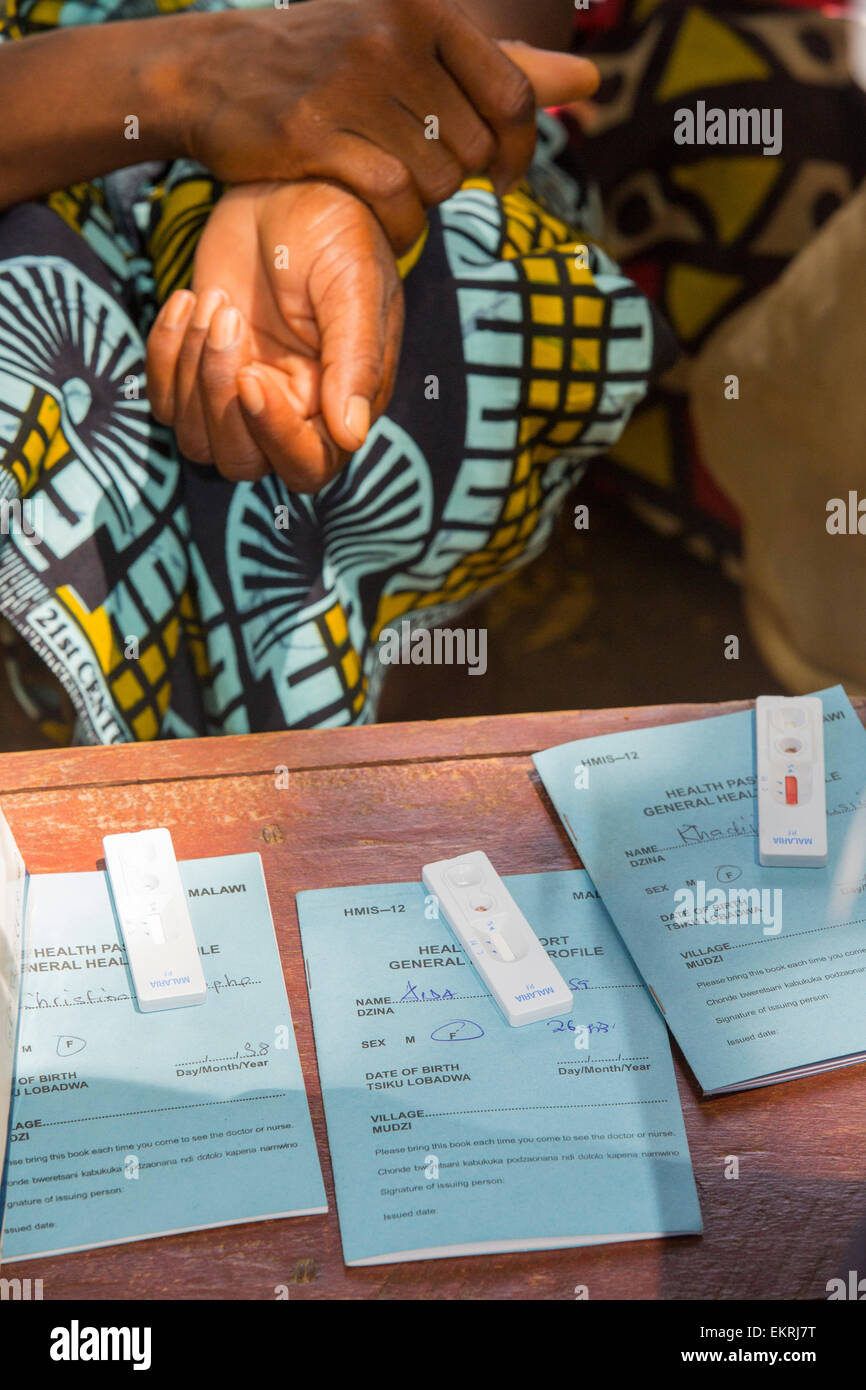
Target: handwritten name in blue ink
{"x":415,"y":996}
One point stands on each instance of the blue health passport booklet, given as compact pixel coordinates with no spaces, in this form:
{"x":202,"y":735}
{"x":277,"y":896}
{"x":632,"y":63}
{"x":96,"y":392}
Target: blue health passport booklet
{"x":759,"y":972}
{"x":125,"y":1125}
{"x":452,"y":1133}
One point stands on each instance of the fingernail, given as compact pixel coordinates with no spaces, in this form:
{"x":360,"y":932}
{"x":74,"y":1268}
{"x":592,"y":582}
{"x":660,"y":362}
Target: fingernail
{"x":176,"y":309}
{"x":225,"y":329}
{"x":251,"y":394}
{"x":358,"y":417}
{"x":207,"y":306}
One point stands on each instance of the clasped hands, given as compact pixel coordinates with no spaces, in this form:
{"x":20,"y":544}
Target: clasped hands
{"x":285,"y":349}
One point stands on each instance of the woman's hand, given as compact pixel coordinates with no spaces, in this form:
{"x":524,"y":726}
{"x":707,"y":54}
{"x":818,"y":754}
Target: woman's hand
{"x":287,"y":347}
{"x":398,"y":100}
{"x":332,"y":89}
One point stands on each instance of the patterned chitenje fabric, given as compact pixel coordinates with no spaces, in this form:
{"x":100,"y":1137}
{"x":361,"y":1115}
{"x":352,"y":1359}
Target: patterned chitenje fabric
{"x":704,"y":228}
{"x":163,"y":597}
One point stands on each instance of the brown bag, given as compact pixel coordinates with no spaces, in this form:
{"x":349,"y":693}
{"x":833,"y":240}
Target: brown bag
{"x":792,"y":448}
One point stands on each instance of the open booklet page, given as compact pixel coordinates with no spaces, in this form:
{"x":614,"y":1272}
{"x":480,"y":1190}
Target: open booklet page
{"x":452,"y":1133}
{"x":127,"y":1124}
{"x":13,"y":892}
{"x":759,"y":971}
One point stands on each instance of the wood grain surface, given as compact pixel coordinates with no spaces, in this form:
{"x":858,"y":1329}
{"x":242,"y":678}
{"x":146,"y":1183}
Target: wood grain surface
{"x":370,"y":805}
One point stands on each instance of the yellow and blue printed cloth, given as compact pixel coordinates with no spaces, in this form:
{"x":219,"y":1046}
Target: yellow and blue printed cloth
{"x":162,"y":597}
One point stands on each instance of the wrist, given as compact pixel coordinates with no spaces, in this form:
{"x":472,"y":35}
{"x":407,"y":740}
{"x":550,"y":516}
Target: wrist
{"x":189,"y":79}
{"x":138,"y":104}
{"x":170,"y":81}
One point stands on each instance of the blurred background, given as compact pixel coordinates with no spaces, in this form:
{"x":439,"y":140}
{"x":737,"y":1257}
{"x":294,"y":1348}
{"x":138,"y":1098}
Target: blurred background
{"x":614,"y":615}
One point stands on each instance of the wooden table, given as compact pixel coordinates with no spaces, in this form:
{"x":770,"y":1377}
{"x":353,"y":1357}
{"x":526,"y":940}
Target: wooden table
{"x":368,"y":804}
